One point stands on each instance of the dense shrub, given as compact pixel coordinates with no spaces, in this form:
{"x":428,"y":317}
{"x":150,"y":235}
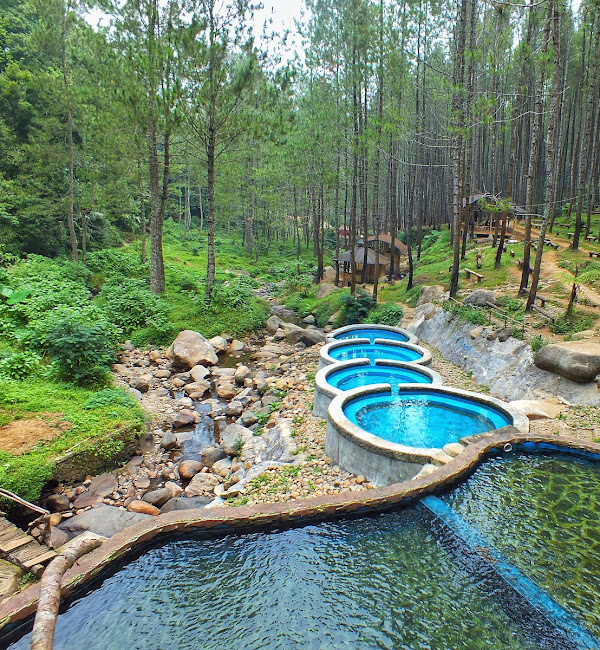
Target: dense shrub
{"x":19,"y":365}
{"x":388,"y":313}
{"x":355,"y":308}
{"x":130,"y":305}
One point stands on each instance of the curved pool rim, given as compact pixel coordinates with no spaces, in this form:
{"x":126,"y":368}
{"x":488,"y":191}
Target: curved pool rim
{"x":325,"y":392}
{"x":382,"y":461}
{"x":325,"y":358}
{"x":410,"y":337}
{"x":249,"y":519}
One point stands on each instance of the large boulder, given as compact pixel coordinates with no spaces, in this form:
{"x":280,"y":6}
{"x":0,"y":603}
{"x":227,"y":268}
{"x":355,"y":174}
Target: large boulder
{"x":480,"y":297}
{"x":576,"y":360}
{"x":308,"y":336}
{"x":190,"y":349}
{"x":233,"y":438}
{"x":430,"y":294}
{"x":273,"y":323}
{"x":325,"y":289}
{"x":185,"y":503}
{"x":104,"y":520}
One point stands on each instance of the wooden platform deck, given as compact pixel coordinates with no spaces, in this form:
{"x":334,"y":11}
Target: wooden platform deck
{"x":21,"y":549}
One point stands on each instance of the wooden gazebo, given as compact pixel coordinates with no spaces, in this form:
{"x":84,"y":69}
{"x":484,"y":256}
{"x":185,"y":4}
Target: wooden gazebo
{"x":344,"y":263}
{"x":397,"y":248}
{"x":482,"y":221}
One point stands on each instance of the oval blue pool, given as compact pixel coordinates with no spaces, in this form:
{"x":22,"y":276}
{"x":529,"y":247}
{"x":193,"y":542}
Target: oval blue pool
{"x":372,"y":334}
{"x":348,"y":378}
{"x":374,"y":351}
{"x":423,"y":418}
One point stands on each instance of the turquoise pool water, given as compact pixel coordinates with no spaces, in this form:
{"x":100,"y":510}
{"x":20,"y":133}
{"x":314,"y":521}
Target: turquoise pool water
{"x":382,"y":582}
{"x":349,"y":378}
{"x":422,"y":419}
{"x":372,"y":334}
{"x":372,"y":352}
{"x":542,"y":513}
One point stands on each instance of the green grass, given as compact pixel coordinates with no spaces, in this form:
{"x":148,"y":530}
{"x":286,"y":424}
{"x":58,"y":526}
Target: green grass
{"x":26,"y":474}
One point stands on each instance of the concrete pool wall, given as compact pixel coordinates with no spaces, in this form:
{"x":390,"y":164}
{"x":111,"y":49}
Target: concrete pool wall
{"x":325,"y":392}
{"x":383,"y":462}
{"x":347,"y":329}
{"x":325,"y":359}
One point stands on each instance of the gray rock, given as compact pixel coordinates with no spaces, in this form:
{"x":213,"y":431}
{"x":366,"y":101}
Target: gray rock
{"x":142,"y":482}
{"x":325,"y":289}
{"x":307,"y":336}
{"x":104,"y":520}
{"x":158,"y":497}
{"x":233,"y":438}
{"x":273,"y":323}
{"x":163,"y":373}
{"x":190,"y":349}
{"x":58,"y":503}
{"x":309,"y":320}
{"x":222,"y":467}
{"x":247,"y":419}
{"x":134,"y":392}
{"x":184,"y":418}
{"x":479,"y":297}
{"x":275,"y":444}
{"x":210,"y":455}
{"x":241,"y":373}
{"x":169,"y":441}
{"x":575,"y":360}
{"x":185,"y":503}
{"x":236,"y":346}
{"x":198,"y":373}
{"x":219,"y":343}
{"x":234,"y":408}
{"x":197,"y":388}
{"x":502,"y":334}
{"x":201,"y":485}
{"x":141,"y":383}
{"x":430,"y":294}
{"x":189,"y":468}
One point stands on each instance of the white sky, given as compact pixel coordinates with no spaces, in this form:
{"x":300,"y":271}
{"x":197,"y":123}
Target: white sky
{"x":278,"y":14}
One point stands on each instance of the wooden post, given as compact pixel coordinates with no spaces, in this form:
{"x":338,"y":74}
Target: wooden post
{"x":478,"y":258}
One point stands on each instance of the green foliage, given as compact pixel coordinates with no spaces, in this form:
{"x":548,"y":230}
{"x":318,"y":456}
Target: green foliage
{"x":20,"y":365}
{"x":387,"y":313}
{"x":131,"y":306}
{"x":108,"y":397}
{"x":355,"y":308}
{"x":537,"y":343}
{"x":82,"y":353}
{"x":576,"y":322}
{"x":468,"y":313}
{"x":26,"y":473}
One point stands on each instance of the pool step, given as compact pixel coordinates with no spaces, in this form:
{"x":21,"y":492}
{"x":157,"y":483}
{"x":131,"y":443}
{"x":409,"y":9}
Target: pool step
{"x":538,"y":600}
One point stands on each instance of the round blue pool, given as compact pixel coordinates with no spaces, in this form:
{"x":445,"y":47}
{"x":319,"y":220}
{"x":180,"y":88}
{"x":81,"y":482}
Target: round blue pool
{"x":372,"y":334}
{"x":374,"y":351}
{"x":348,"y":378}
{"x":423,"y":418}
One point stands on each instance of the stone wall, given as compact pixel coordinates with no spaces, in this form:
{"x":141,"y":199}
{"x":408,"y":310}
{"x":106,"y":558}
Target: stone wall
{"x":506,"y":367}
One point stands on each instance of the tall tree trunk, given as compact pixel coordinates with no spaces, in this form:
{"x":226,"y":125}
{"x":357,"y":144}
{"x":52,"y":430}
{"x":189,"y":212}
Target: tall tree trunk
{"x":586,"y":147}
{"x":70,"y":145}
{"x":210,"y":157}
{"x":554,"y":21}
{"x":458,"y":110}
{"x":533,"y":162}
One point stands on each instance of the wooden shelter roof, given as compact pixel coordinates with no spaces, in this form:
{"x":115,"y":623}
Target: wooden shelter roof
{"x":359,"y":256}
{"x":387,"y":239}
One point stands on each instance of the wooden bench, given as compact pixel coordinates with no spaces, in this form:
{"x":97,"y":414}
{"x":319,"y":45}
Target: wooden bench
{"x":591,"y":238}
{"x":594,"y":254}
{"x":571,"y":235}
{"x":470,"y":273}
{"x":542,"y":300}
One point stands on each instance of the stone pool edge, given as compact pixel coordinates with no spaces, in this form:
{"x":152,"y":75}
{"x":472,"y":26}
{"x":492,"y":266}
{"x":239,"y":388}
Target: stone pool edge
{"x":243,"y":519}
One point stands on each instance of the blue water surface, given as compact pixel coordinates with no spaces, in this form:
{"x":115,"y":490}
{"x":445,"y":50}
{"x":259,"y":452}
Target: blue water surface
{"x":422,"y":418}
{"x":372,"y":352}
{"x":372,"y":334}
{"x":349,"y":378}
